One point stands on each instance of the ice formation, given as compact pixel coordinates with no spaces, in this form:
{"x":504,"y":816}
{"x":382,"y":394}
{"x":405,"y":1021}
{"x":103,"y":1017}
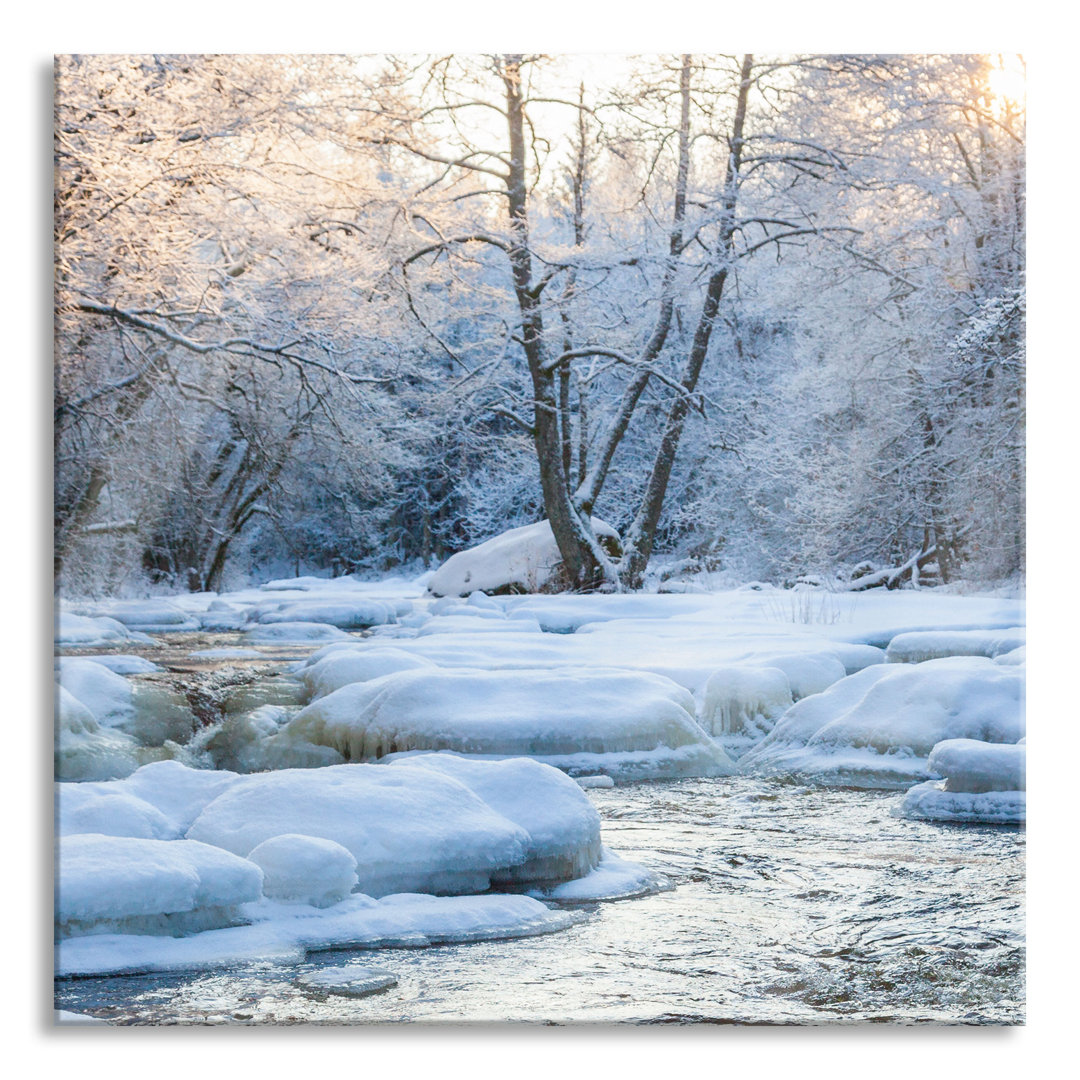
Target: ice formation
{"x":148,"y":616}
{"x":744,"y":702}
{"x":916,"y":647}
{"x":294,"y":632}
{"x":524,"y":560}
{"x":983,"y":783}
{"x":85,"y":751}
{"x":74,"y":629}
{"x":107,"y":695}
{"x":123,"y":663}
{"x":876,"y":728}
{"x":305,"y":869}
{"x":613,"y":879}
{"x":346,"y":614}
{"x":352,"y":980}
{"x":631,"y":725}
{"x":122,"y":884}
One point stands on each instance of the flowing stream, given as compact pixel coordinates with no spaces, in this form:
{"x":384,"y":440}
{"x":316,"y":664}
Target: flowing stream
{"x":789,"y":904}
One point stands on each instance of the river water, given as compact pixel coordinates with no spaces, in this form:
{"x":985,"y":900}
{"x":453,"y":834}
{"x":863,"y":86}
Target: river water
{"x":789,"y":904}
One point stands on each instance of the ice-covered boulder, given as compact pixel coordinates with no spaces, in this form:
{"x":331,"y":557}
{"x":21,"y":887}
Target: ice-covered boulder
{"x":107,"y":695}
{"x":287,"y":633}
{"x":522,"y":560}
{"x":149,"y":616}
{"x":629,"y":724}
{"x":740,"y":705}
{"x":983,"y":783}
{"x":113,"y":884}
{"x":82,"y":630}
{"x":124,"y":663}
{"x":410,"y":830}
{"x":177,"y":791}
{"x":353,"y":980}
{"x":305,"y":869}
{"x":351,"y":614}
{"x":563,"y":826}
{"x":876,"y":728}
{"x":83,"y":749}
{"x":340,"y":668}
{"x":914,"y":648}
{"x":106,"y":809}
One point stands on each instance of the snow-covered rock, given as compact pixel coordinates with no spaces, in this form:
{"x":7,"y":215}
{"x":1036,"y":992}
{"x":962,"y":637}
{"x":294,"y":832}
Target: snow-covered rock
{"x":107,"y":695}
{"x":305,"y":869}
{"x":84,"y":750}
{"x":916,"y":647}
{"x":410,"y":830}
{"x":984,"y":783}
{"x":876,"y":728}
{"x":149,"y":616}
{"x":352,"y":614}
{"x":337,"y":669}
{"x":122,"y":884}
{"x":631,"y":725}
{"x":744,"y":702}
{"x":123,"y":663}
{"x":524,"y":560}
{"x":286,"y":633}
{"x":74,"y":629}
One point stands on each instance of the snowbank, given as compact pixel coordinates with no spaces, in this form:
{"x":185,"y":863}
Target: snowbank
{"x":876,"y":728}
{"x":923,"y":645}
{"x":108,"y":883}
{"x":524,"y":560}
{"x":631,"y":725}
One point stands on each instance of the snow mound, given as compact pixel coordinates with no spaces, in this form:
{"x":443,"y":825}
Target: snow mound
{"x":106,"y":809}
{"x":984,"y":783}
{"x":473,"y":624}
{"x":631,"y":725}
{"x":107,"y":695}
{"x":344,"y":666}
{"x":83,"y":630}
{"x":524,"y":560}
{"x":914,"y":648}
{"x":562,"y":826}
{"x":282,"y":933}
{"x":305,"y":869}
{"x":83,"y":751}
{"x":353,"y":980}
{"x":149,"y":616}
{"x":110,"y":884}
{"x":178,"y":792}
{"x":876,"y":728}
{"x":408,"y":829}
{"x":294,"y":633}
{"x":123,"y":663}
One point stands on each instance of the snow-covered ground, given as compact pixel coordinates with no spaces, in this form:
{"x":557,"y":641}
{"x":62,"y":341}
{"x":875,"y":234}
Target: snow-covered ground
{"x":413,"y":751}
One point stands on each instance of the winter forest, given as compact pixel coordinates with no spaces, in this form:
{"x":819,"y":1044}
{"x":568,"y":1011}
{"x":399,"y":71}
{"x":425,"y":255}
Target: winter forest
{"x":539,"y":539}
{"x":763,"y":316}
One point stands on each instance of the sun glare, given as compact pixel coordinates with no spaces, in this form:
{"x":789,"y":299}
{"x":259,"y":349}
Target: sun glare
{"x":1007,"y":79}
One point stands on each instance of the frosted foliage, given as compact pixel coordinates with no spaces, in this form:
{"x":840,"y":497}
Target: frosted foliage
{"x":525,"y":559}
{"x":877,"y":727}
{"x":305,"y":869}
{"x":631,"y":722}
{"x":109,"y":883}
{"x":408,"y":829}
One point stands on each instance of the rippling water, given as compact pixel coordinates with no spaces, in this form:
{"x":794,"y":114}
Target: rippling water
{"x":791,"y":905}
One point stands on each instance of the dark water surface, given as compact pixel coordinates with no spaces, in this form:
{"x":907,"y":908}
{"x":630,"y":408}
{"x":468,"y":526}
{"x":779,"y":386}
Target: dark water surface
{"x":791,"y":905}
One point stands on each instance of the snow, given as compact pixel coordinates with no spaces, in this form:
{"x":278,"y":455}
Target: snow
{"x":107,"y":695}
{"x":625,"y":723}
{"x":83,"y":751}
{"x":408,"y":829}
{"x":562,"y":826}
{"x":744,"y":702}
{"x":74,"y":629}
{"x":110,"y":811}
{"x":348,"y":615}
{"x":147,"y":616}
{"x":525,"y":559}
{"x":352,"y":980}
{"x":305,"y":869}
{"x":105,"y":883}
{"x":913,"y":648}
{"x":613,"y":879}
{"x":284,"y":933}
{"x":294,"y":632}
{"x":876,"y":728}
{"x":984,"y":783}
{"x":333,"y":670}
{"x":123,"y":663}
